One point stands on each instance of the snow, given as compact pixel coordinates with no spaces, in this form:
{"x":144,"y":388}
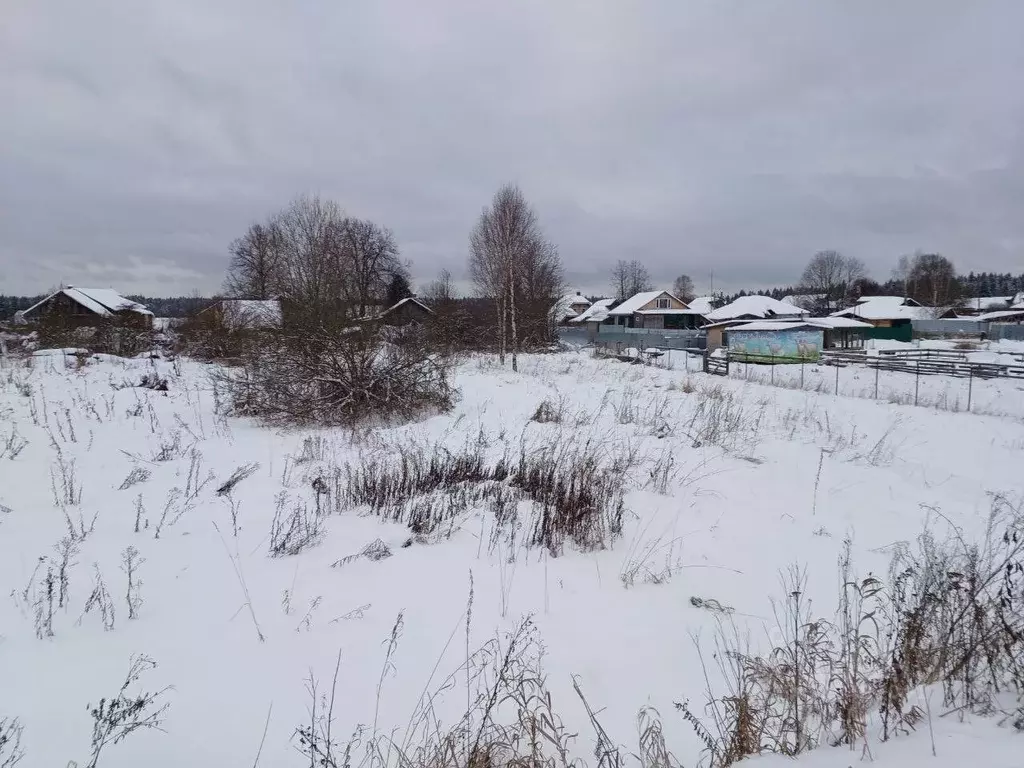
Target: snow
{"x":564,"y":310}
{"x":701,"y":304}
{"x":807,"y":469}
{"x":755,"y":306}
{"x":885,"y":308}
{"x":596,"y":312}
{"x":1003,"y":316}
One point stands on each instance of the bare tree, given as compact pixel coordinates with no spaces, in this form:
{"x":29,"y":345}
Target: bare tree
{"x":933,"y":281}
{"x":441,"y":290}
{"x":901,"y":272}
{"x":369,"y":262}
{"x":629,"y":278}
{"x":830,"y":274}
{"x":683,"y":288}
{"x":312,"y":272}
{"x":509,"y":256}
{"x":255,"y":260}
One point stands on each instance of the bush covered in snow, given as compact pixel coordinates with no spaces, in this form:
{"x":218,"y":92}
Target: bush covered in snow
{"x":304,"y":374}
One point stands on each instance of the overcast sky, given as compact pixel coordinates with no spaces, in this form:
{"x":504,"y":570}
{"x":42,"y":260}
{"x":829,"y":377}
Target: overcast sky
{"x":137,"y":139}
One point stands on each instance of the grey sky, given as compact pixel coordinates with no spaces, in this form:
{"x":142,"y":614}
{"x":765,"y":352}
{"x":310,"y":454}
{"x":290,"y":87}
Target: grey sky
{"x":138,"y":139}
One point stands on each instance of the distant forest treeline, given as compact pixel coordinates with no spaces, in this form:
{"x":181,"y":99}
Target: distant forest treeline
{"x":972,"y":285}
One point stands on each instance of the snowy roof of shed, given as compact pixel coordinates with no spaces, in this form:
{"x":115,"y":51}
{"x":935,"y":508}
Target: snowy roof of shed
{"x":756,"y":306}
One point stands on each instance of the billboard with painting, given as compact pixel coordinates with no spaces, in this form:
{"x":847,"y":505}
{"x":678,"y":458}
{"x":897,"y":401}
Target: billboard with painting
{"x":793,"y":345}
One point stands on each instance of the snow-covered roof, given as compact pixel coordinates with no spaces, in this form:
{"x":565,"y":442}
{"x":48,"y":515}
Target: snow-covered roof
{"x":576,"y":298}
{"x":1005,"y":314}
{"x":884,"y":308}
{"x":837,"y":322}
{"x":810,"y":322}
{"x":980,"y":303}
{"x":251,"y":313}
{"x":755,"y":306}
{"x":407,"y":300}
{"x":633,"y":303}
{"x":595,"y":313}
{"x":102,"y":301}
{"x":703,"y":304}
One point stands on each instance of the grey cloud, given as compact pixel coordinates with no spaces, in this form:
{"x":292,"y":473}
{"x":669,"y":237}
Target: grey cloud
{"x":710,"y":135}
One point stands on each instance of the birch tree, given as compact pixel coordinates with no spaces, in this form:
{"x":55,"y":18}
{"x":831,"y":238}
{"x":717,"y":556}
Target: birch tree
{"x":506,"y":246}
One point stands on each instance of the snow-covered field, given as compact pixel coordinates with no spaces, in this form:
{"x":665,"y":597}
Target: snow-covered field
{"x":728,"y":482}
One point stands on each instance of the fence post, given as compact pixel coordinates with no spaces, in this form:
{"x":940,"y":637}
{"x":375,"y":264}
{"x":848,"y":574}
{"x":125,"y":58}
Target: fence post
{"x":970,"y":386}
{"x":837,"y":378}
{"x":917,"y":381}
{"x":876,"y":380}
{"x":773,"y":369}
{"x":802,"y":364}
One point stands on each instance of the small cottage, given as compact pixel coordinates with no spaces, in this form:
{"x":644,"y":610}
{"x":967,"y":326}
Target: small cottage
{"x":406,"y":311}
{"x":87,"y":307}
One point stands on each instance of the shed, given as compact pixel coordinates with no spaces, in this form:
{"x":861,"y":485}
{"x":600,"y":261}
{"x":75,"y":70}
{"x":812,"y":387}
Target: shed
{"x":786,"y":341}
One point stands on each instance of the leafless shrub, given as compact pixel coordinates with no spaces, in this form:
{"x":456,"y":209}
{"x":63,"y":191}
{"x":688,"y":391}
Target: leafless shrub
{"x":240,"y":474}
{"x":154,"y":381}
{"x":170,"y":448}
{"x":346,"y":375}
{"x":131,"y":561}
{"x":11,"y":731}
{"x":575,"y":497}
{"x":99,"y":601}
{"x":295,"y":526}
{"x":314,"y":448}
{"x":722,"y":418}
{"x":67,"y":548}
{"x":952,"y":613}
{"x":375,"y":551}
{"x":651,"y":561}
{"x":67,"y":490}
{"x":136,"y":476}
{"x":549,"y":412}
{"x":116,"y":718}
{"x":12,"y":445}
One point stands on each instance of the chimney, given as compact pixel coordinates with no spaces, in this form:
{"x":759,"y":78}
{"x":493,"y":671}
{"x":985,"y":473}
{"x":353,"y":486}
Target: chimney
{"x":578,"y":293}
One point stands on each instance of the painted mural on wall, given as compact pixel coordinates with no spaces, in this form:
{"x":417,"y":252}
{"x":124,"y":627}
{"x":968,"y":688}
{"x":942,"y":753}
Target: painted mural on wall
{"x":802,"y":345}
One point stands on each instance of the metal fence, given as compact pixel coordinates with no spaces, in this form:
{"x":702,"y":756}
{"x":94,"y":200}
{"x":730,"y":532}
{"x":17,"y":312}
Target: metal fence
{"x":646,"y":337}
{"x":953,"y":327}
{"x":1005,"y":331}
{"x":948,"y":326}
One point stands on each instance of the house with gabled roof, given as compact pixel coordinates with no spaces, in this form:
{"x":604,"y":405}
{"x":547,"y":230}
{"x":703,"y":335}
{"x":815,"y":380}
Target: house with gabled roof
{"x":86,"y":307}
{"x":658,"y":310}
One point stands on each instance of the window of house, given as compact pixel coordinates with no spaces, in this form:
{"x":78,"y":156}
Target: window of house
{"x":664,"y":303}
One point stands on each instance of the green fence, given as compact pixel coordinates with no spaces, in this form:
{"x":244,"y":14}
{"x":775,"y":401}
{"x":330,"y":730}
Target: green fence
{"x":896,"y":333}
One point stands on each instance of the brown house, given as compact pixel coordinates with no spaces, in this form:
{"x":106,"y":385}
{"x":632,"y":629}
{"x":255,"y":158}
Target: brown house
{"x":659,"y":310}
{"x":88,"y":307}
{"x":410,"y":310}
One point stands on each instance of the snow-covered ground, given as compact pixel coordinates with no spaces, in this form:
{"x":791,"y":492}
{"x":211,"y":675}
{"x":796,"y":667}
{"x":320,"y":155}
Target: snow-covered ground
{"x":729,"y":482}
